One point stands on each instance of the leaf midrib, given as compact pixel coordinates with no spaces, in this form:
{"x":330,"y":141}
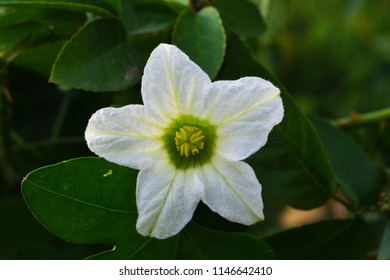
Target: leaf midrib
{"x":81,"y":201}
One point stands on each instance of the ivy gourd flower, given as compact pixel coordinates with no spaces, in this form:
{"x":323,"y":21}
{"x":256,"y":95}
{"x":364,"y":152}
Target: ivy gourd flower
{"x":188,"y":140}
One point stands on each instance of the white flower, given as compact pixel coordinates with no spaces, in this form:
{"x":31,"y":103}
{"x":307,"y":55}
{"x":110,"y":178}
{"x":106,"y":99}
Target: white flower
{"x":188,"y":140}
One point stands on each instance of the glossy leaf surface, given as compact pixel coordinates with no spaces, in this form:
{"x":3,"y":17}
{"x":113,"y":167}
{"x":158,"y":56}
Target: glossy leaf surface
{"x":95,"y":6}
{"x":90,"y":201}
{"x":233,"y":12}
{"x":355,"y":171}
{"x":202,"y":37}
{"x":97,"y":58}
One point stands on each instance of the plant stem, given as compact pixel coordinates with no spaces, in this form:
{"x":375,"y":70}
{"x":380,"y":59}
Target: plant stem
{"x":344,"y":203}
{"x":60,"y":116}
{"x":356,"y":119}
{"x":5,"y":139}
{"x":46,"y":143}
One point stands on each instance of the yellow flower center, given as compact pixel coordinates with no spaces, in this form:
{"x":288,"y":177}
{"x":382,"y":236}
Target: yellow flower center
{"x":189,"y":140}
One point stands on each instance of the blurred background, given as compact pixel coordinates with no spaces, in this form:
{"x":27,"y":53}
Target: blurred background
{"x":332,"y":56}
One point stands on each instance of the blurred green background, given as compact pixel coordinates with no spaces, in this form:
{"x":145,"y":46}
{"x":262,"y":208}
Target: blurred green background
{"x":332,"y":56}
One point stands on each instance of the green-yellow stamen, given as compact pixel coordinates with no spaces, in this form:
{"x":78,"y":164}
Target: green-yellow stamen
{"x":189,"y":140}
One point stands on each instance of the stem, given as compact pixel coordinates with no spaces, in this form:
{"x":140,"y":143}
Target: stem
{"x":48,"y":143}
{"x":5,"y":139}
{"x":361,"y":119}
{"x":344,"y":203}
{"x":60,"y":117}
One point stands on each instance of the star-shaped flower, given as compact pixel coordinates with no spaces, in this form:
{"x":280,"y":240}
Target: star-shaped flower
{"x":188,"y":140}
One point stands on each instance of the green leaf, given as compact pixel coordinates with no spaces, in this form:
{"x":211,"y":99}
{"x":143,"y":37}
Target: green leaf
{"x":149,"y":22}
{"x":293,"y":167}
{"x":284,"y":175}
{"x":275,"y":14}
{"x":97,"y":58}
{"x":24,"y":238}
{"x":175,"y":5}
{"x":11,"y":16}
{"x":94,"y":6}
{"x":150,"y":17}
{"x":335,"y":239}
{"x":62,"y":24}
{"x":384,"y":247}
{"x":201,"y":36}
{"x":355,"y":171}
{"x":40,"y":59}
{"x":14,"y":36}
{"x":127,"y":14}
{"x":86,"y":200}
{"x":241,"y":17}
{"x":90,"y":201}
{"x":197,"y":242}
{"x":33,"y":28}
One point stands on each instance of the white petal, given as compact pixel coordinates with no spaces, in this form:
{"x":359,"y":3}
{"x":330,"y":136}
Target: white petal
{"x":172,"y":84}
{"x":166,"y":200}
{"x":127,"y":136}
{"x":233,"y":191}
{"x":245,"y":111}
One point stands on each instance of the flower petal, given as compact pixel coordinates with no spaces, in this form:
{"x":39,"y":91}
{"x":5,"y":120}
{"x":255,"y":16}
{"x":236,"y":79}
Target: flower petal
{"x":127,"y":136}
{"x":166,"y":199}
{"x":233,"y":191}
{"x":172,"y":84}
{"x":245,"y":111}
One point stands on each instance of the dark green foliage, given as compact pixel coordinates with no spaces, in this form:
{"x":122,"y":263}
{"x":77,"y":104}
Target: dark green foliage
{"x":330,"y":60}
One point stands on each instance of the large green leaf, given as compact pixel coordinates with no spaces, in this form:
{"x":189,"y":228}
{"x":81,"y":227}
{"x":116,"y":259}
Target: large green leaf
{"x":293,"y":166}
{"x":11,"y":16}
{"x":150,"y":18}
{"x":334,"y":239}
{"x":22,"y":237}
{"x":241,"y":17}
{"x":90,"y":200}
{"x":33,"y":28}
{"x":86,"y":201}
{"x":97,"y":58}
{"x":14,"y":36}
{"x":197,"y":242}
{"x":358,"y":175}
{"x":202,"y":37}
{"x":148,"y":22}
{"x":284,"y":175}
{"x":175,"y":5}
{"x":40,"y":59}
{"x":95,"y":6}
